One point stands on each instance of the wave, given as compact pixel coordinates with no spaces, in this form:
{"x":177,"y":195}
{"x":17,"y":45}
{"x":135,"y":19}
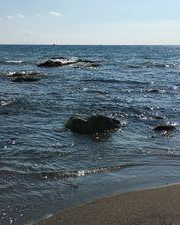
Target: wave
{"x":4,"y":103}
{"x":72,"y":60}
{"x":66,"y":61}
{"x":85,"y":172}
{"x":23,"y":73}
{"x":13,"y":62}
{"x":68,"y":174}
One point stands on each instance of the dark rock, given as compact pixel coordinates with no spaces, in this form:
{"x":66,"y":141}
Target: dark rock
{"x":58,"y":62}
{"x":165,"y":128}
{"x":86,"y":65}
{"x":24,"y":76}
{"x":92,"y":64}
{"x":155,"y":91}
{"x":78,"y":125}
{"x":94,"y":124}
{"x":23,"y":73}
{"x":85,"y":61}
{"x":134,"y":66}
{"x":25,"y":79}
{"x":101,"y":123}
{"x":159,"y":117}
{"x":50,"y":63}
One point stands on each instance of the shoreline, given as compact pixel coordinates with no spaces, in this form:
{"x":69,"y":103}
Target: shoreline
{"x":155,"y":206}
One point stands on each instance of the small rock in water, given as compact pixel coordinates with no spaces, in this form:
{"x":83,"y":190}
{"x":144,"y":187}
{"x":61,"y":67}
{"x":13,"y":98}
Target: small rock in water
{"x":165,"y":128}
{"x":23,"y":73}
{"x":25,"y":79}
{"x":87,"y":65}
{"x":24,"y":76}
{"x":155,"y":91}
{"x":159,"y":117}
{"x":94,"y":124}
{"x":53,"y":63}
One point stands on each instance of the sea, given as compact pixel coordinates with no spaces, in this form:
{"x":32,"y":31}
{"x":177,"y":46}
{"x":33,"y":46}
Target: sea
{"x":45,"y":168}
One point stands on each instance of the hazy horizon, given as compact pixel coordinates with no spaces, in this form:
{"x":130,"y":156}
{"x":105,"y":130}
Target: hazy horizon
{"x":90,"y":23}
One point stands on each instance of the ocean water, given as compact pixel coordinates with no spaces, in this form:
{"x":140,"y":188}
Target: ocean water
{"x":45,"y":168}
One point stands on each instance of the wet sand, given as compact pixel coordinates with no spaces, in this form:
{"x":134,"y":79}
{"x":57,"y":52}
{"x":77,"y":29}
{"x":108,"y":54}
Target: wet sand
{"x":158,"y":206}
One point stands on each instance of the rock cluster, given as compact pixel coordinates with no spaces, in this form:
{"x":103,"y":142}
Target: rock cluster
{"x":59,"y":62}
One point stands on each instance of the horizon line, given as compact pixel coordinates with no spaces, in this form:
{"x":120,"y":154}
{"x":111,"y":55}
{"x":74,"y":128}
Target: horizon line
{"x":90,"y":44}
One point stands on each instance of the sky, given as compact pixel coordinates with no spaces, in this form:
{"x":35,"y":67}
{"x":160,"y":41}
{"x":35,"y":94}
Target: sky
{"x":117,"y":22}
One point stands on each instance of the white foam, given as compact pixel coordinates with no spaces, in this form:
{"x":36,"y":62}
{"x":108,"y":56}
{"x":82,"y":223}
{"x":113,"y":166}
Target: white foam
{"x":66,"y":61}
{"x":14,"y":61}
{"x":81,"y":173}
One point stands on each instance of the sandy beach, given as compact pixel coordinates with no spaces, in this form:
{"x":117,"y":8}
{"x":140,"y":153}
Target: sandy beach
{"x":158,"y":206}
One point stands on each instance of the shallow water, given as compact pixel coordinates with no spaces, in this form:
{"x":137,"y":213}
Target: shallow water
{"x":43,"y":167}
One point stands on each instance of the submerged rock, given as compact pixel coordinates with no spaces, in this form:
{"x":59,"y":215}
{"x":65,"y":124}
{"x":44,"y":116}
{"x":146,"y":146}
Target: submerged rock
{"x":159,"y":117}
{"x":58,"y":62}
{"x":24,"y":76}
{"x":155,"y":91}
{"x":23,"y":73}
{"x":25,"y":79}
{"x":86,"y":65}
{"x":165,"y":128}
{"x":94,"y":124}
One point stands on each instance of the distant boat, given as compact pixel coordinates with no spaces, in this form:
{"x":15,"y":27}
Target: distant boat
{"x":54,"y":44}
